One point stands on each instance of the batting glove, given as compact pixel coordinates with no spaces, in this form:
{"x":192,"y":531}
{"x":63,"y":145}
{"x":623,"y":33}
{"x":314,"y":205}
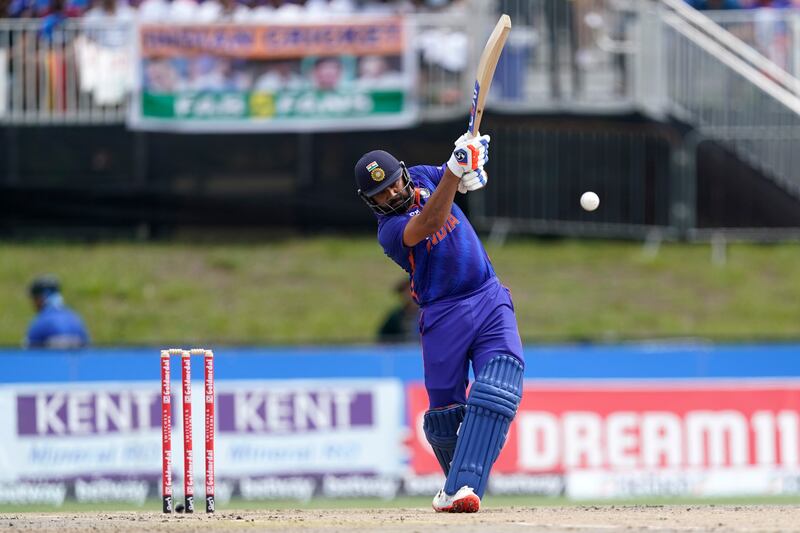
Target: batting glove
{"x":473,"y":180}
{"x":469,"y":155}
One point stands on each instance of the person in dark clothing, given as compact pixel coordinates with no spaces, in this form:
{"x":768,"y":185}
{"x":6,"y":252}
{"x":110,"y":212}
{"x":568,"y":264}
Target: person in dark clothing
{"x":401,"y":324}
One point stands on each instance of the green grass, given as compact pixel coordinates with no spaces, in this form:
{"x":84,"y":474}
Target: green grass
{"x":402,"y":502}
{"x":336,"y":290}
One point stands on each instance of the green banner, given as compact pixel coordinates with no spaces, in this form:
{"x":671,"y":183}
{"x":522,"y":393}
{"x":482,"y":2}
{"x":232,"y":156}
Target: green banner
{"x":260,"y":106}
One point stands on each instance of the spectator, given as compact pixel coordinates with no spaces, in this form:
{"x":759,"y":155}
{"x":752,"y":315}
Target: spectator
{"x":384,"y":7}
{"x":262,"y":10}
{"x":288,"y":11}
{"x":402,"y":322}
{"x":18,"y":9}
{"x":183,"y":11}
{"x":53,"y":22}
{"x":206,"y":11}
{"x":52,"y":32}
{"x":55,"y":325}
{"x":77,"y":8}
{"x":223,"y":11}
{"x":109,"y":11}
{"x":108,"y":20}
{"x":560,"y":20}
{"x":342,"y":7}
{"x":153,"y":11}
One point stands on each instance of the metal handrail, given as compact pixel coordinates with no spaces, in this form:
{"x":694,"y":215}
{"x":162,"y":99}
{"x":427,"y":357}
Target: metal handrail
{"x":745,"y":69}
{"x":732,"y":43}
{"x":761,"y":126}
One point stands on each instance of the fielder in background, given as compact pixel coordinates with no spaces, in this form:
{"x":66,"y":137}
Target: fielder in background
{"x":467,"y":315}
{"x":55,"y":325}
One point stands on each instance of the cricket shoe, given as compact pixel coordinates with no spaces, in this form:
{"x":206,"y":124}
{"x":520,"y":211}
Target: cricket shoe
{"x":463,"y":501}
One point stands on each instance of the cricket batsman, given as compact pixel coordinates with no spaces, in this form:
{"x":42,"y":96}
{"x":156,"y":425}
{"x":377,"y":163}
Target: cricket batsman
{"x":467,"y":315}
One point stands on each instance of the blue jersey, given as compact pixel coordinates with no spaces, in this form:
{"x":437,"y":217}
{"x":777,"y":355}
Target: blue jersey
{"x":448,"y":263}
{"x":57,"y":326}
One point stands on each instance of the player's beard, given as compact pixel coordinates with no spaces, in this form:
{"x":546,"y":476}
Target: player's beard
{"x":397,"y":203}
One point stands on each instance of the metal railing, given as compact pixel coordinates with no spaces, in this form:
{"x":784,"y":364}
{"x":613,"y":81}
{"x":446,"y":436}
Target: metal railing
{"x":732,"y":94}
{"x":554,"y":60}
{"x":774,"y":33}
{"x":444,"y":60}
{"x":81,"y":72}
{"x":75,"y":74}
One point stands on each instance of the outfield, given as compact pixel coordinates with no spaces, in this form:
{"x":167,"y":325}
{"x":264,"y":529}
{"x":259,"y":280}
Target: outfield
{"x":335,"y":290}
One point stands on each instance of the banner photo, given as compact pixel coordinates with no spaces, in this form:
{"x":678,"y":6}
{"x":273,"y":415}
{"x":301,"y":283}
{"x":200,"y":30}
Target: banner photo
{"x":284,"y":77}
{"x":102,"y":440}
{"x":638,"y":438}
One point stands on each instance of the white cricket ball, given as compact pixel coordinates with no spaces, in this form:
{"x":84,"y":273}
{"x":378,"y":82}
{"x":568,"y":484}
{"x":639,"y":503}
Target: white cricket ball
{"x":590,"y":201}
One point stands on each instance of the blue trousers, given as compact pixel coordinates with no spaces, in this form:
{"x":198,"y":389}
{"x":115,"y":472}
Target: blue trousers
{"x":470,"y":328}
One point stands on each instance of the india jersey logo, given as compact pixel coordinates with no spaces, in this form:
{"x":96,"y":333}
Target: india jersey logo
{"x":375,"y":172}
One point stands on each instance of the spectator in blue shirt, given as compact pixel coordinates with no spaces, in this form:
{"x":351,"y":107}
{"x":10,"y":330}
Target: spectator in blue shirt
{"x":55,"y":325}
{"x":53,"y":21}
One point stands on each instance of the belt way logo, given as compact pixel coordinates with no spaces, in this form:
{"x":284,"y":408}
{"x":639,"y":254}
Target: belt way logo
{"x":632,"y":436}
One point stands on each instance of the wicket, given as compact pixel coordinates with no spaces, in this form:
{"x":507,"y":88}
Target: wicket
{"x":166,"y":428}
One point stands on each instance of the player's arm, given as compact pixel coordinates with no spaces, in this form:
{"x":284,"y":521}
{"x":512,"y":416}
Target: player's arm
{"x":436,"y":210}
{"x":468,"y":156}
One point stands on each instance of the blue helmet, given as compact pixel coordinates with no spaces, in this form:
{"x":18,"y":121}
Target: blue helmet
{"x":377,"y":170}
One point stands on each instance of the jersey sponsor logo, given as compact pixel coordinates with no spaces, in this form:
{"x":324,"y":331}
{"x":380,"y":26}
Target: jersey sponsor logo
{"x":448,"y":228}
{"x":413,"y":213}
{"x":424,"y":193}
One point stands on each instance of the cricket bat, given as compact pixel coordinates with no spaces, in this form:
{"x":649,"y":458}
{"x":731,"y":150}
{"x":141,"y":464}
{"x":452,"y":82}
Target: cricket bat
{"x":486,"y":66}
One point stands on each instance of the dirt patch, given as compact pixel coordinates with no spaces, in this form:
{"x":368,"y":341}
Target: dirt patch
{"x":737,"y":518}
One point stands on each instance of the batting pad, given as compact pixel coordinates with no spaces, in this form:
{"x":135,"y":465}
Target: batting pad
{"x":441,"y":430}
{"x":491,"y":406}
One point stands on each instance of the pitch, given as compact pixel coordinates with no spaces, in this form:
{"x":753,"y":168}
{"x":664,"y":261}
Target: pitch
{"x":648,"y":518}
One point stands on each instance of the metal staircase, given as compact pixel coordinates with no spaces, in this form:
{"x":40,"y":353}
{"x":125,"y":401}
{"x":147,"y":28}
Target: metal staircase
{"x":724,"y":88}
